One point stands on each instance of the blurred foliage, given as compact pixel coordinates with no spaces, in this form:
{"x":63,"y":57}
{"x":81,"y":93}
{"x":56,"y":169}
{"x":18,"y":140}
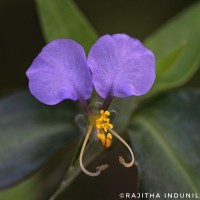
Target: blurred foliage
{"x":165,"y":137}
{"x":32,"y":132}
{"x":62,"y":19}
{"x":44,"y":182}
{"x":25,"y":190}
{"x":177,"y":49}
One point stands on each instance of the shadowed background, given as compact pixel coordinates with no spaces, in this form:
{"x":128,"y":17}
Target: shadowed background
{"x":21,"y":38}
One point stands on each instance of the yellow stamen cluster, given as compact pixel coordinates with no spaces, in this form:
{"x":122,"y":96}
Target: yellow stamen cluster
{"x":102,"y":124}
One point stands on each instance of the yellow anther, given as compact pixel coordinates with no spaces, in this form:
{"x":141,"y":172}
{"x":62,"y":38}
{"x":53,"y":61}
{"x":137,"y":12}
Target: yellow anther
{"x":107,"y":113}
{"x":109,"y":136}
{"x":102,"y":138}
{"x":104,"y":114}
{"x":106,"y":124}
{"x":98,"y":123}
{"x":106,"y":140}
{"x":103,"y":122}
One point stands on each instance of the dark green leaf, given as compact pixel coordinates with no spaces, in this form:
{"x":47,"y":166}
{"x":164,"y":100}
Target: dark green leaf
{"x":62,"y":19}
{"x":165,"y":138}
{"x":30,"y":133}
{"x":44,"y":182}
{"x":23,"y":191}
{"x":177,"y":49}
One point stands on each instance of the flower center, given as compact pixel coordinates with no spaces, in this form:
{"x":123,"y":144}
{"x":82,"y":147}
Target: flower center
{"x":101,"y":122}
{"x":102,"y":125}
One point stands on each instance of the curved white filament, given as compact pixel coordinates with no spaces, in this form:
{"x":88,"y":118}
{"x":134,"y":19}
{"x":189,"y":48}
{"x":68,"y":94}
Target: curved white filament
{"x":99,"y":168}
{"x":121,"y":159}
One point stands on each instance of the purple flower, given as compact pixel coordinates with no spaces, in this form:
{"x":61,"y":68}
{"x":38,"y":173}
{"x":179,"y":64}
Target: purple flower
{"x":117,"y":66}
{"x":60,"y":72}
{"x":121,"y":66}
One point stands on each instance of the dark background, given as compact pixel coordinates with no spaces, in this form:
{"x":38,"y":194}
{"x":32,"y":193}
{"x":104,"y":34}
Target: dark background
{"x":21,"y":37}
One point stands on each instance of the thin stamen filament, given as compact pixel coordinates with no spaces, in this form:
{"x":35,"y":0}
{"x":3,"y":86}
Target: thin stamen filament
{"x":121,"y":159}
{"x":99,"y":168}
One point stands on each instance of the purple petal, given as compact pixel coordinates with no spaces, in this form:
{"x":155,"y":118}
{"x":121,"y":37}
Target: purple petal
{"x":60,"y":72}
{"x":121,"y":66}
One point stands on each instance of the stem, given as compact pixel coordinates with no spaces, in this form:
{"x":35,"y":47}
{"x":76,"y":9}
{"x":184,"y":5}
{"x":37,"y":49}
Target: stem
{"x":107,"y":103}
{"x":85,"y":106}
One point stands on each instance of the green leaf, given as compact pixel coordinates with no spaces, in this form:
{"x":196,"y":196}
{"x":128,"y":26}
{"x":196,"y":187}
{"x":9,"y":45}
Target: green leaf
{"x":177,"y":49}
{"x":22,"y":191}
{"x":30,"y":133}
{"x":165,"y":138}
{"x":44,"y":182}
{"x":62,"y":19}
